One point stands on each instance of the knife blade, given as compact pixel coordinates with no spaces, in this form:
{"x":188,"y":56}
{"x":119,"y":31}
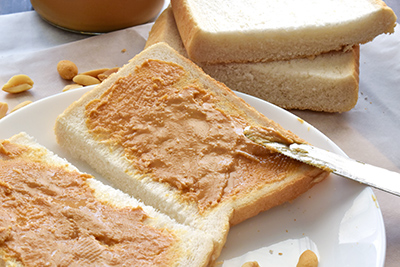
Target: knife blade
{"x":364,"y":173}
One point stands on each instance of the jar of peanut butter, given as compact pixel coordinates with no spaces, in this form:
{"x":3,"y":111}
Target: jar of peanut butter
{"x":97,"y":16}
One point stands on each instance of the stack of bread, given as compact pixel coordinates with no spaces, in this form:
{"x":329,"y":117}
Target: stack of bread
{"x":295,"y":54}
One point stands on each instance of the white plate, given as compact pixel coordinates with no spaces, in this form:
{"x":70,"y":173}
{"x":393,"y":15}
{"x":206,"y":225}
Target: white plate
{"x":338,"y":219}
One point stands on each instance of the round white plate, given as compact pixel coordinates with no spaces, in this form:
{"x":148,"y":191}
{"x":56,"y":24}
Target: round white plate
{"x":340,"y":220}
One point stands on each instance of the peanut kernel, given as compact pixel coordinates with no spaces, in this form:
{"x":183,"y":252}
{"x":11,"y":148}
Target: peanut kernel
{"x":94,"y":73}
{"x":85,"y":80}
{"x":18,"y":83}
{"x":3,"y":109}
{"x":104,"y":75}
{"x":71,"y":86}
{"x":67,"y":69}
{"x":308,"y":259}
{"x":251,"y":264}
{"x":20,"y":105}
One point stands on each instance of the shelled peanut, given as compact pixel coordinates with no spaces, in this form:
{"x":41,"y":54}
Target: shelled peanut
{"x":251,"y":264}
{"x":3,"y":109}
{"x":85,"y":80}
{"x":20,"y":105}
{"x":71,"y":86}
{"x":68,"y":71}
{"x":308,"y":259}
{"x":18,"y":83}
{"x":104,"y":75}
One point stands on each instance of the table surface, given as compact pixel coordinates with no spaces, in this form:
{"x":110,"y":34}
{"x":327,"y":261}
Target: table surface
{"x":368,"y":132}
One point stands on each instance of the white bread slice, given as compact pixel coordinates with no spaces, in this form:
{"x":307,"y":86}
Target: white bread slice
{"x":223,"y":31}
{"x":327,"y":82}
{"x":190,"y":247}
{"x":111,"y":160}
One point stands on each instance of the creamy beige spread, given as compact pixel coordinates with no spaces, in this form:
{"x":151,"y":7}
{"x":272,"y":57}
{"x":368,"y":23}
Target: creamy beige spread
{"x":50,"y":217}
{"x":171,"y":128}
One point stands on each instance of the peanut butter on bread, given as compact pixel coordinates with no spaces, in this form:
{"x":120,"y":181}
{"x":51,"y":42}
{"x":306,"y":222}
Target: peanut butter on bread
{"x":50,"y":215}
{"x":171,"y":129}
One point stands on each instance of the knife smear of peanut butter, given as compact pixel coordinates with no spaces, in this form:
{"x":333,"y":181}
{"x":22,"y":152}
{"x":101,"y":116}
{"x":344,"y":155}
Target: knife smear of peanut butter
{"x":361,"y":172}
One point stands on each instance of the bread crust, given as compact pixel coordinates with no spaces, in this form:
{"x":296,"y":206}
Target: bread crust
{"x":164,"y":30}
{"x":269,"y":198}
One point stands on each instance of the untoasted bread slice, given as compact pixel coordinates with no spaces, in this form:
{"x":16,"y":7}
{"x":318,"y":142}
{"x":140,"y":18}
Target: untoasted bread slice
{"x":167,"y":133}
{"x":328,"y":82}
{"x":53,"y":215}
{"x":256,"y":30}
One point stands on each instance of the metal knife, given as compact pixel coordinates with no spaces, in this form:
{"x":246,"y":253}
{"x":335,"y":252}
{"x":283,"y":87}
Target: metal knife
{"x":376,"y":177}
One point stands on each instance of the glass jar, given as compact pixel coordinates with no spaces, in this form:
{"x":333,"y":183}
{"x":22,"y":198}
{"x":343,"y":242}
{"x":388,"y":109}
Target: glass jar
{"x":97,"y":16}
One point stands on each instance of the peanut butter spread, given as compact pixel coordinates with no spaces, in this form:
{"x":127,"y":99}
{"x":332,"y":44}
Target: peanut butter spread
{"x":50,"y":217}
{"x":172,"y":129}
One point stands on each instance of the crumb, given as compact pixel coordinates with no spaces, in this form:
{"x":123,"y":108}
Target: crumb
{"x":300,"y":120}
{"x":375,"y":200}
{"x":287,"y":231}
{"x":271,"y":251}
{"x":123,"y":50}
{"x":280,"y":253}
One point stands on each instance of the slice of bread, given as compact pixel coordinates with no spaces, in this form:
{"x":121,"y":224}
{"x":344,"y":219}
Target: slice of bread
{"x":163,"y":131}
{"x":327,"y":82}
{"x":53,"y":215}
{"x":224,"y":31}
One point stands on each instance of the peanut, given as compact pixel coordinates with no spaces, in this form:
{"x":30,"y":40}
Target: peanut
{"x":85,"y":80}
{"x":104,"y":75}
{"x":67,"y":69}
{"x":71,"y":86}
{"x":251,"y":264}
{"x":3,"y":109}
{"x":18,"y":83}
{"x":94,"y":73}
{"x":308,"y":259}
{"x":20,"y":105}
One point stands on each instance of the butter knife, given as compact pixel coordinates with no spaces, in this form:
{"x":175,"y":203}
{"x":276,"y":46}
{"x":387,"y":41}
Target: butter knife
{"x":370,"y":175}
